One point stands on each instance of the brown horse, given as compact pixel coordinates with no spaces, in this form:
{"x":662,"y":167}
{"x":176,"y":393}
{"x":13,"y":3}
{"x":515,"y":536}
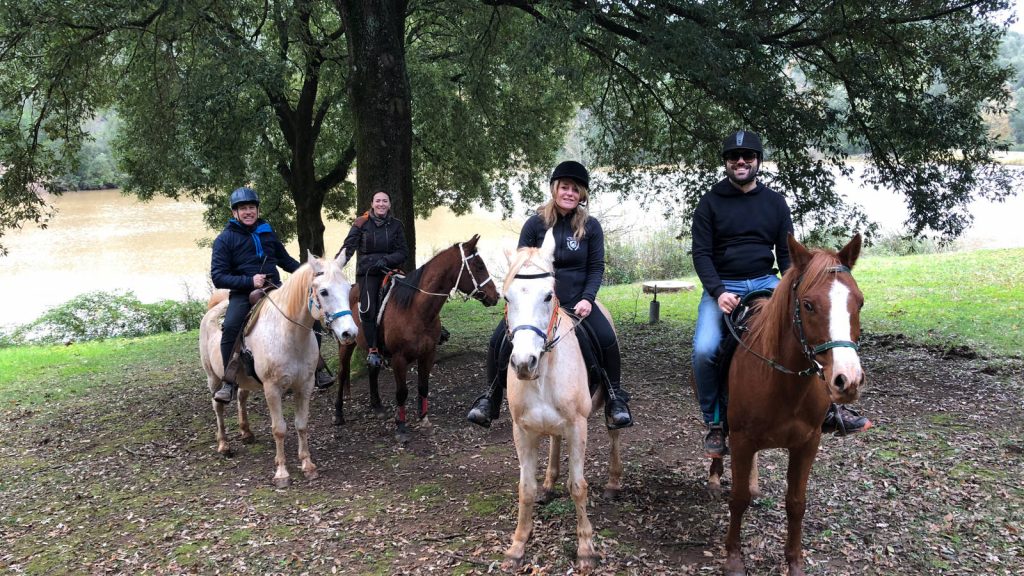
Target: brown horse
{"x":411,"y":325}
{"x":800,"y":355}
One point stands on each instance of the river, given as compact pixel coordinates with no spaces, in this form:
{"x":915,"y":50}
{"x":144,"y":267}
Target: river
{"x":102,"y":240}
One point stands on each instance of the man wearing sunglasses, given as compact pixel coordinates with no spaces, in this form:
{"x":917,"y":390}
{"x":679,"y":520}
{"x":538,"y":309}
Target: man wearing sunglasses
{"x":739,"y":234}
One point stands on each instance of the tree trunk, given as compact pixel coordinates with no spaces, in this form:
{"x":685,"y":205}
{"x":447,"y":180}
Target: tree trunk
{"x":382,"y":106}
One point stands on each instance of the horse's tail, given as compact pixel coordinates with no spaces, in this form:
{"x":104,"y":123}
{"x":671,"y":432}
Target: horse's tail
{"x":212,"y":318}
{"x":217,"y":297}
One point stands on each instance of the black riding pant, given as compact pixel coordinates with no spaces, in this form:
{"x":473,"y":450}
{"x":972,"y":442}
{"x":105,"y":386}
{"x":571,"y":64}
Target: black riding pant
{"x":234,"y":318}
{"x":369,"y":306}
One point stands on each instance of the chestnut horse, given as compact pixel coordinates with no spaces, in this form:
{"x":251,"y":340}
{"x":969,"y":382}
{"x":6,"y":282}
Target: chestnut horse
{"x":799,"y":355}
{"x":549,"y":395}
{"x":411,"y":325}
{"x":284,"y":351}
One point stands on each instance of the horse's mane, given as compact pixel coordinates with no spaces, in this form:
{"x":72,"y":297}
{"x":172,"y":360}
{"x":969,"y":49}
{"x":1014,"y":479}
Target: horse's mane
{"x":292,"y":297}
{"x":774,"y":315}
{"x":523,"y":255}
{"x":406,"y":288}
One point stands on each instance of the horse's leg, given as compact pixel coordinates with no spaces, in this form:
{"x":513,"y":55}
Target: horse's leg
{"x":576,"y":440}
{"x":222,"y":437}
{"x":551,"y":475}
{"x":279,"y":429}
{"x":715,"y":472}
{"x":613,"y":488}
{"x":375,"y":403}
{"x":527,"y":444}
{"x":399,"y":368}
{"x":243,"y":417}
{"x":423,"y":367}
{"x":801,"y":458}
{"x":344,"y":381}
{"x":742,"y":459}
{"x":755,"y":487}
{"x":302,"y":394}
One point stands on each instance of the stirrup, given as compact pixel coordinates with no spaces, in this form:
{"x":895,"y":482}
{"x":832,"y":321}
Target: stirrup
{"x":374,"y":359}
{"x":480,"y":413}
{"x":230,"y":391}
{"x":608,"y":416}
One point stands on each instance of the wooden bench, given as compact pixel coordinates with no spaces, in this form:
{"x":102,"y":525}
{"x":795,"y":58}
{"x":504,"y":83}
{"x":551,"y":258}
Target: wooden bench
{"x":664,"y":287}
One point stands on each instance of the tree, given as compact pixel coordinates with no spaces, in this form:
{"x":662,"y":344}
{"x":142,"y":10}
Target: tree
{"x":443,"y":101}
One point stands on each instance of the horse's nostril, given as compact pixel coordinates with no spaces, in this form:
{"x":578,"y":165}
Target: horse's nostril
{"x":841,"y":382}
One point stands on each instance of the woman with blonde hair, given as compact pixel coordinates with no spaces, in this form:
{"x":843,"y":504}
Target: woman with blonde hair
{"x":579,"y":269}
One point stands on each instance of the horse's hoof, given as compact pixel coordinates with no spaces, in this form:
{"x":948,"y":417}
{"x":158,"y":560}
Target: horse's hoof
{"x":248,"y":438}
{"x":312,"y":475}
{"x":545,"y":496}
{"x":586,"y":564}
{"x":226,"y":452}
{"x":735,"y":567}
{"x":425,"y":422}
{"x":402,"y":437}
{"x":612,"y":493}
{"x":379,"y":412}
{"x":512,"y":564}
{"x":282,"y":482}
{"x":339,"y":420}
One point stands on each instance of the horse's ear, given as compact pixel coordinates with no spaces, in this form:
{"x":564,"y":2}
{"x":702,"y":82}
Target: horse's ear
{"x":509,"y":254}
{"x":340,"y":258}
{"x":315,"y":263}
{"x":547,"y":248}
{"x":799,"y":255}
{"x":849,"y":254}
{"x":471,"y":244}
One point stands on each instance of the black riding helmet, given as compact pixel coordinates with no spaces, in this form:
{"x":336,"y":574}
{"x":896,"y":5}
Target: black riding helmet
{"x":743,"y":140}
{"x":244,"y":195}
{"x":572,"y":170}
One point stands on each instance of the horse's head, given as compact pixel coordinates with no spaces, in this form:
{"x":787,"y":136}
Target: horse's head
{"x":329,"y":293}
{"x":826,"y":312}
{"x":474,"y":279}
{"x":531,"y":311}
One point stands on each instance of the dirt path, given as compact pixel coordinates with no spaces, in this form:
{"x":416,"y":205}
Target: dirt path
{"x":935,"y":488}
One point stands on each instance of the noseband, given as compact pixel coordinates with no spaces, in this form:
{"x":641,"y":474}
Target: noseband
{"x":553,"y":322}
{"x":314,"y":302}
{"x":810,"y":352}
{"x":477,"y":286}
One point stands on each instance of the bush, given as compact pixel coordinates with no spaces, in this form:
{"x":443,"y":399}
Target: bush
{"x":101,"y":315}
{"x":659,"y":256}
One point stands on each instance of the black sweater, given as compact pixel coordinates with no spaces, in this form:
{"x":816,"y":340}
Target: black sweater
{"x":734,"y":234}
{"x":239,"y":253}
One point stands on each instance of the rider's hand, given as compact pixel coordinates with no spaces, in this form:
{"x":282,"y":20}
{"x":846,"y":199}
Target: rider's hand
{"x":582,"y":308}
{"x":259,"y":280}
{"x":382,"y":263}
{"x":727,"y":301}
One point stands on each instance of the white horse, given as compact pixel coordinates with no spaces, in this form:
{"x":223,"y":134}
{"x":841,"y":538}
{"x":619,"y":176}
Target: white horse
{"x":284,"y":351}
{"x":548,"y":395}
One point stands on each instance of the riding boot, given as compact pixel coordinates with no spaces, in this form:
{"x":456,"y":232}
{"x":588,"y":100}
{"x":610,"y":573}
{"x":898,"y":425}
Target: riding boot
{"x":373,"y":358}
{"x":324,"y":378}
{"x":616,"y":409}
{"x":226,"y":393}
{"x":487,"y":407}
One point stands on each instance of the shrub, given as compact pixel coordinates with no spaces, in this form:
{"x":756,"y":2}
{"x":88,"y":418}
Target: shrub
{"x":658,"y":256}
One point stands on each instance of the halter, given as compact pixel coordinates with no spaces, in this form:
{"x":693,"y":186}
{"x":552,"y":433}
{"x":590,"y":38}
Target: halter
{"x":809,"y":352}
{"x":477,"y":286}
{"x":314,"y":301}
{"x":553,"y":322}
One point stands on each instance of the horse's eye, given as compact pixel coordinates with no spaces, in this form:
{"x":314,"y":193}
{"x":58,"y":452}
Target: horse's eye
{"x":548,"y":297}
{"x":808,"y":306}
{"x":323,"y":292}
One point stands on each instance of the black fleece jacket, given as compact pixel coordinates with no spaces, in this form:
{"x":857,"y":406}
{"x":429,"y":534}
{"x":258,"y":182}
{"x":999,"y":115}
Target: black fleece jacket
{"x":579,"y":264}
{"x":734,"y":234}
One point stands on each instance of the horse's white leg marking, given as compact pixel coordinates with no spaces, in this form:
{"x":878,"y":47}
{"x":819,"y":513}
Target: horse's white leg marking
{"x":302,"y":394}
{"x":527,"y":445}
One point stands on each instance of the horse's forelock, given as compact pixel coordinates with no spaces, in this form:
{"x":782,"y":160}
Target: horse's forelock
{"x":523,"y":255}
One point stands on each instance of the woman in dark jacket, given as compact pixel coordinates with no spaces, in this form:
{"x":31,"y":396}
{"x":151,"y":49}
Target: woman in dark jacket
{"x":379,"y":239}
{"x":579,"y":269}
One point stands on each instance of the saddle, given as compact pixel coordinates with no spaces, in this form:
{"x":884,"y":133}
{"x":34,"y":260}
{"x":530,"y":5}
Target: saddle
{"x":241,"y":356}
{"x":593,"y":359}
{"x":736,"y":325}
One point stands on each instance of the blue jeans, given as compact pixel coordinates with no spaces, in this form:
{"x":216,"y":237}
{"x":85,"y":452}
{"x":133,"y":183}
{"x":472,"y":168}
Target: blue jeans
{"x":707,"y":337}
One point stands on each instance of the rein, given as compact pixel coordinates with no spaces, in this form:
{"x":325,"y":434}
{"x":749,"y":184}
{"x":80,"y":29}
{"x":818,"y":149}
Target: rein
{"x":314,"y":301}
{"x":809,"y":352}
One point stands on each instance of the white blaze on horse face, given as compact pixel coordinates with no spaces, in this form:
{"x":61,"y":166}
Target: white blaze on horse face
{"x":845,"y":361}
{"x":335,"y":301}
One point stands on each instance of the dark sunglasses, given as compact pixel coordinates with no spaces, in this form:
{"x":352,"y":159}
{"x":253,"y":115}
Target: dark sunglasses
{"x":734,"y":155}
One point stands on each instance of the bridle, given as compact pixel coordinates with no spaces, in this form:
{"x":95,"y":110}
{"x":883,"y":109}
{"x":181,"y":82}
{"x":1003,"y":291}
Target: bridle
{"x":328,"y":318}
{"x":478,"y":286}
{"x":810,"y":352}
{"x":553,"y":322}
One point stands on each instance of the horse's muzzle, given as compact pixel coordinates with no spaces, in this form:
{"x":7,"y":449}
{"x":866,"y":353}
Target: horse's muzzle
{"x":526,"y":366}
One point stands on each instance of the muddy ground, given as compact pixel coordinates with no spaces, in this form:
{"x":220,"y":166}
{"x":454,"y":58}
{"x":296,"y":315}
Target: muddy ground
{"x":128,"y":480}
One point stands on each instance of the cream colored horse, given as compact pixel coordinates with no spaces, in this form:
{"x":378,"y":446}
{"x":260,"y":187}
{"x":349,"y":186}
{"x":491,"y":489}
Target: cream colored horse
{"x":284,"y":350}
{"x":548,"y":395}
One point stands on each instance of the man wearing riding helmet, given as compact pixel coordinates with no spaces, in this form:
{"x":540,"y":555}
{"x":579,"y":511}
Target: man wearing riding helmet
{"x":736,"y":227}
{"x":246,"y":255}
